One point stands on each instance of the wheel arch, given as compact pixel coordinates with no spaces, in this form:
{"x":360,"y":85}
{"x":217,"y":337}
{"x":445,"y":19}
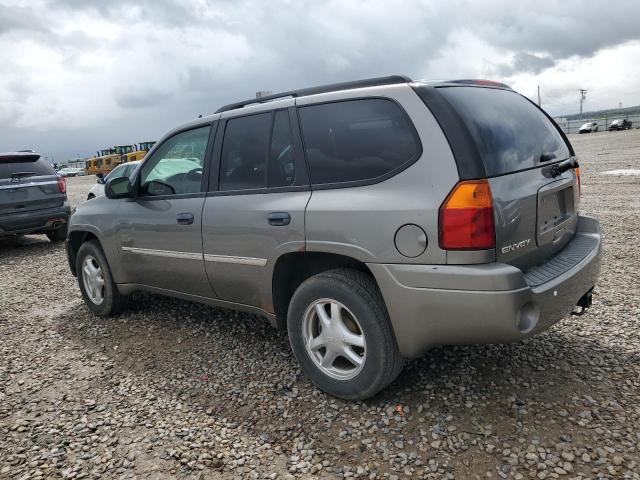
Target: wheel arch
{"x":293,"y":268}
{"x":74,"y":240}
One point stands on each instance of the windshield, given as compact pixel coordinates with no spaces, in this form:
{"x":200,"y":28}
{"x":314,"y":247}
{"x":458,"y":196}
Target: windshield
{"x":511,"y":133}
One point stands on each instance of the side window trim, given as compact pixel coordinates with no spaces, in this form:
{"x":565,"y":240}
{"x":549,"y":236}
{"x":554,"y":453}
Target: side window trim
{"x":371,"y":181}
{"x":205,"y":166}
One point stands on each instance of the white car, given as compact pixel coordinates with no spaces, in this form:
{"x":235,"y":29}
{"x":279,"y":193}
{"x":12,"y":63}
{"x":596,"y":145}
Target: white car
{"x":122,"y":170}
{"x":589,"y":127}
{"x":69,"y":172}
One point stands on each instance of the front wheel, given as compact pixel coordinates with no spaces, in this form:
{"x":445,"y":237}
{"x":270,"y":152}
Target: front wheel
{"x":98,"y":289}
{"x":340,"y":333}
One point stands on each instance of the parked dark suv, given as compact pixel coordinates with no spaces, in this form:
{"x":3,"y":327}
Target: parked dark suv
{"x":33,"y":198}
{"x":371,"y":219}
{"x":620,"y":124}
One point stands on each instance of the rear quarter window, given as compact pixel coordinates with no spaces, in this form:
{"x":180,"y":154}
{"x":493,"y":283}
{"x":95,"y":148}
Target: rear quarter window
{"x":510,"y":132}
{"x":357,"y":140}
{"x":37,"y":168}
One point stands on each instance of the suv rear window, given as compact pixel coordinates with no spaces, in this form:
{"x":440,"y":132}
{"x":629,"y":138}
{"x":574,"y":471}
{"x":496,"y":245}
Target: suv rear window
{"x":37,"y":167}
{"x":510,"y":132}
{"x":356,"y":140}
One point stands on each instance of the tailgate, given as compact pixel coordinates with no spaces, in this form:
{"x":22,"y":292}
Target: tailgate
{"x":30,"y":193}
{"x":520,"y":148}
{"x":535,"y":216}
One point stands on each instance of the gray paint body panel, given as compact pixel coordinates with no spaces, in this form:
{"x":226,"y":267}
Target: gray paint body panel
{"x":517,"y":215}
{"x":150,"y":224}
{"x":435,"y":305}
{"x":237,"y":226}
{"x":228,"y":255}
{"x":361,"y":222}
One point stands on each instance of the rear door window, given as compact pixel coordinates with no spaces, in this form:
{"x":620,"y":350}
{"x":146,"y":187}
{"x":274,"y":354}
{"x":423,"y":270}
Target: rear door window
{"x":511,"y":133}
{"x":243,"y":164}
{"x":357,"y":140}
{"x":32,"y":168}
{"x":257,"y":152}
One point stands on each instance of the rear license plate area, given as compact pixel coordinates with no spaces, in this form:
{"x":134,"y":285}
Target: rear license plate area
{"x":555,"y":209}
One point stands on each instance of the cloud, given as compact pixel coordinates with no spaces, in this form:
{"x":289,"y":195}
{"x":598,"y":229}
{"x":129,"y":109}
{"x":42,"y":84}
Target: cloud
{"x":523,"y":62}
{"x":124,"y":69}
{"x":141,"y":98}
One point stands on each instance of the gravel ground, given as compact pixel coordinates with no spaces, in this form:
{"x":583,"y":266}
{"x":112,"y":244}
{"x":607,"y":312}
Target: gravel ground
{"x":175,"y":389}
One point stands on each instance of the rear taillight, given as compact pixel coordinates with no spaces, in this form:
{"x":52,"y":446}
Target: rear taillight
{"x":62,"y":185}
{"x":466,"y":217}
{"x":577,"y":170}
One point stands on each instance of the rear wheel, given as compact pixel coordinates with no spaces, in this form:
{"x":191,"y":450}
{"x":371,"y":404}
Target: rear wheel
{"x":59,"y":235}
{"x":340,"y":333}
{"x":98,"y":289}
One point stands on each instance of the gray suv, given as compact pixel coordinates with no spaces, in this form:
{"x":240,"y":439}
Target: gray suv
{"x":372,"y":219}
{"x":33,"y":198}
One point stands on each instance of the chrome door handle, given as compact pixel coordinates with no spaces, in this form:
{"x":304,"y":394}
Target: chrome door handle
{"x":184,"y":218}
{"x":279,"y":219}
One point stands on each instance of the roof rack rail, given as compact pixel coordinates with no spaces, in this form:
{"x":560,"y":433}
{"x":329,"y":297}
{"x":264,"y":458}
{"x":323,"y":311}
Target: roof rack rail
{"x":333,"y":87}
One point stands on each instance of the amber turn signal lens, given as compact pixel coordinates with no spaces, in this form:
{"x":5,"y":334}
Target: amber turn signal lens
{"x":466,"y":217}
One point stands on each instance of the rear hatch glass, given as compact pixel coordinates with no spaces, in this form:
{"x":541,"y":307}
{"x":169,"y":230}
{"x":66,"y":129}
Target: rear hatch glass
{"x":509,"y":131}
{"x":23,"y":165}
{"x":535,"y":213}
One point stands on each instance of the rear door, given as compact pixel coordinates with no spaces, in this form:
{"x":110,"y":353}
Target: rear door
{"x":255,"y":211}
{"x":535,"y":207}
{"x":27,"y":183}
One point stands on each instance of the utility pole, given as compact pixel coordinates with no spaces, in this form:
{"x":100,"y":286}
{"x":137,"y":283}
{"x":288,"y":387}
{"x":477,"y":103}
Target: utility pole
{"x":583,"y":98}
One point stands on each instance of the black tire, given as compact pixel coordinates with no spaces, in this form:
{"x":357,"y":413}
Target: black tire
{"x":113,"y":301}
{"x":358,"y":292}
{"x":59,"y":235}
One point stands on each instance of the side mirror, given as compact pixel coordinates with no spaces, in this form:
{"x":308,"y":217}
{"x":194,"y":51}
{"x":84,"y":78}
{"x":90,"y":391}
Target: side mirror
{"x":118,"y":188}
{"x":155,"y":187}
{"x":100,"y":178}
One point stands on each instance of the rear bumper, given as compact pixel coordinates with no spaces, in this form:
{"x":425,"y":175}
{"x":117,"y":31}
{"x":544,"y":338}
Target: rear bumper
{"x":433,"y":305}
{"x":35,"y":221}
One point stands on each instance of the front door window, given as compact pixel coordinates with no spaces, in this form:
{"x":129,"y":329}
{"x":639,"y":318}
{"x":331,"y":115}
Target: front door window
{"x":176,"y":167}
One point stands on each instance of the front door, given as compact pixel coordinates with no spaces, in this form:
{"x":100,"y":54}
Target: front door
{"x":257,"y":212}
{"x":160,"y":228}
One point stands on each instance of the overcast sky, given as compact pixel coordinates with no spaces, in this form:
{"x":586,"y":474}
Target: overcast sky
{"x":78,"y":75}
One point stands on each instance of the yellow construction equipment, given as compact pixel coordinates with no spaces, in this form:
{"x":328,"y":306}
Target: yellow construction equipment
{"x":92,"y":166}
{"x":143,"y":148}
{"x":126,"y":153}
{"x":110,"y":160}
{"x":96,"y":164}
{"x":137,"y":153}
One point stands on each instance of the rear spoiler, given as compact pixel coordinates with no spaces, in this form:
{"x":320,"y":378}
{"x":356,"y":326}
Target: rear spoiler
{"x":27,"y":156}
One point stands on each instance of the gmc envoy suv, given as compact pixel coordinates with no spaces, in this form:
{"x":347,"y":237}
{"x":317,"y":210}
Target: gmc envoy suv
{"x":372,"y":219}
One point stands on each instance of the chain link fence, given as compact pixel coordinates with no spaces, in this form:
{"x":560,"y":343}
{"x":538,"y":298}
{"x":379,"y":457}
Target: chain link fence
{"x":572,"y":126}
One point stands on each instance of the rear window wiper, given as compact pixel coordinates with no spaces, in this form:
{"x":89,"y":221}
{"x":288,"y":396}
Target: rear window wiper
{"x":559,"y":168}
{"x":546,"y":157}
